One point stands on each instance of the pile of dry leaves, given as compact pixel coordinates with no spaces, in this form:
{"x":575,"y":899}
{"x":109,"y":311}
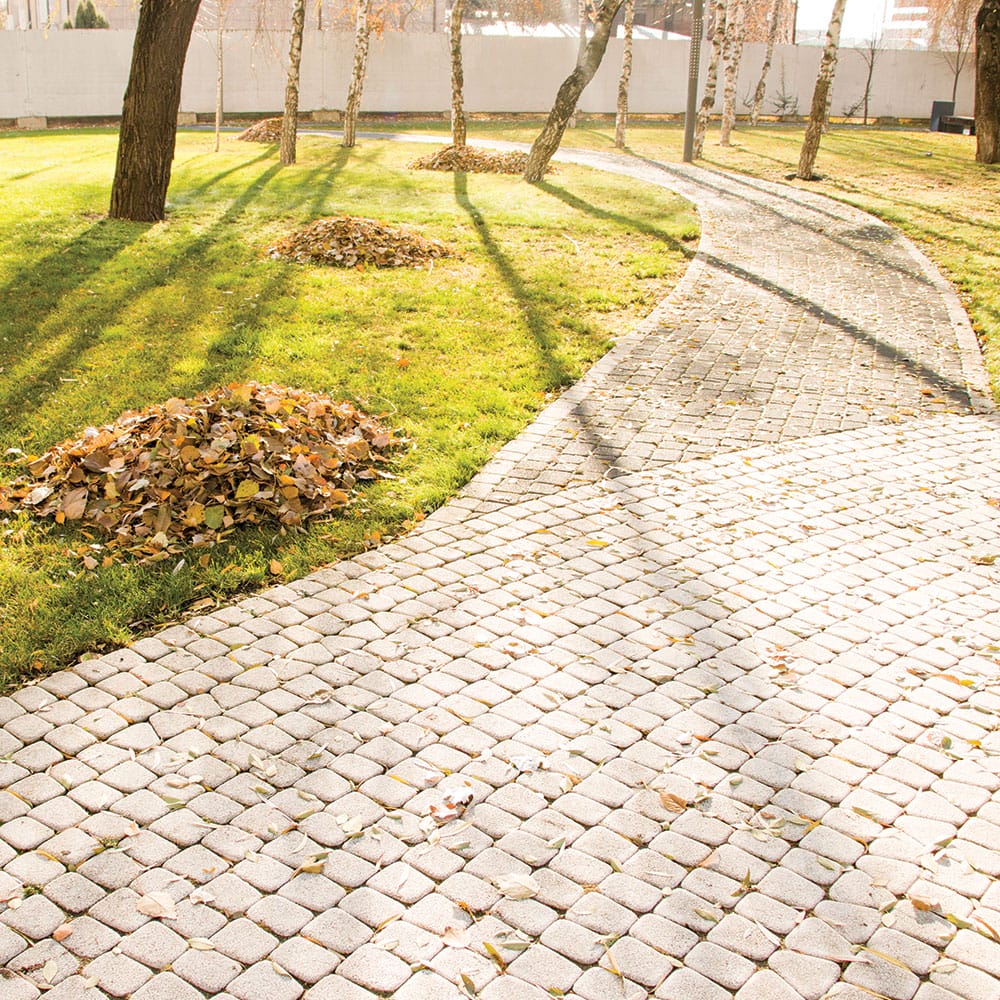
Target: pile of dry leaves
{"x":266,"y":130}
{"x":346,"y":241}
{"x":469,"y":160}
{"x":189,"y":470}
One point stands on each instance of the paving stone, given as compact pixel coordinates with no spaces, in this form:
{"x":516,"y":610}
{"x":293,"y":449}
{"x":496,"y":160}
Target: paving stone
{"x":374,"y":969}
{"x":35,"y":918}
{"x":210,"y":971}
{"x":337,"y":988}
{"x":263,"y":980}
{"x":90,"y":938}
{"x":118,"y":975}
{"x":766,"y":985}
{"x":810,"y":977}
{"x":244,"y":941}
{"x":542,"y":967}
{"x":155,"y":944}
{"x":686,"y":984}
{"x":305,"y":960}
{"x":166,"y":986}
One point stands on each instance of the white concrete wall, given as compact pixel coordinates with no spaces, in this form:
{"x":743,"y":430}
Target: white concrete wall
{"x":84,"y":73}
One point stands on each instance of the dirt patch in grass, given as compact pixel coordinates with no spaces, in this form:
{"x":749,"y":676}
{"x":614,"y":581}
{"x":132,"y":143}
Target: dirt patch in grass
{"x":186,"y":472}
{"x":347,"y":241}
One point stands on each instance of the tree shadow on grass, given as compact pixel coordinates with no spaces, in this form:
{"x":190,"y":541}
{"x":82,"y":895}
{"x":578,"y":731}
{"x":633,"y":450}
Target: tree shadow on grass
{"x":538,"y":325}
{"x":65,"y":332}
{"x":628,"y":222}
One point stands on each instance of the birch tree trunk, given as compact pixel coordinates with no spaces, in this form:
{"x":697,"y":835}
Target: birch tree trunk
{"x":290,"y":121}
{"x":711,"y":80}
{"x":732,"y":53}
{"x":821,"y":94}
{"x":621,"y":118}
{"x":772,"y":35}
{"x":149,"y":114}
{"x":988,"y":82}
{"x":362,"y":37}
{"x":551,"y":135}
{"x":457,"y":76}
{"x":218,"y":81}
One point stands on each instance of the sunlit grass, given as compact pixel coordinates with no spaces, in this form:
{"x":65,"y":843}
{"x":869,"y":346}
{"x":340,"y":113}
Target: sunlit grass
{"x":98,"y":316}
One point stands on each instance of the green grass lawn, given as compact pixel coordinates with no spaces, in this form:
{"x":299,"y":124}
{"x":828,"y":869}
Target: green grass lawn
{"x":926,"y":184}
{"x":98,"y":316}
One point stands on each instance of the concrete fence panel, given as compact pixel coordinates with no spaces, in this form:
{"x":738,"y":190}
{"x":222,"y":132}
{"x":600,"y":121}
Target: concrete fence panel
{"x":84,"y":73}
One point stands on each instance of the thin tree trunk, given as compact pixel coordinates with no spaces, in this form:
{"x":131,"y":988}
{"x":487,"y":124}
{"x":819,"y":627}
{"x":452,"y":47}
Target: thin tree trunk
{"x":583,"y":21}
{"x":821,"y":94}
{"x":621,"y":118}
{"x":149,"y":114}
{"x":711,"y":80}
{"x":457,"y":76}
{"x":362,"y":37}
{"x":772,"y":36}
{"x":218,"y":81}
{"x":551,"y":135}
{"x":733,"y":52}
{"x":988,"y":82}
{"x":872,"y":56}
{"x":290,"y":121}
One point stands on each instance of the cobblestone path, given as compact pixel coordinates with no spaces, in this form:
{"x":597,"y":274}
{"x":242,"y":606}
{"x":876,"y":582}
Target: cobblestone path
{"x":693,"y":694}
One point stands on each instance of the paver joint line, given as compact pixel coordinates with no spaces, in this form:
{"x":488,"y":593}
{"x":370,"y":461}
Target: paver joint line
{"x":692,"y":692}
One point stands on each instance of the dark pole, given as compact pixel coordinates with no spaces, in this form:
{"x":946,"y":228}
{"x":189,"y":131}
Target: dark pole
{"x":694,"y":65}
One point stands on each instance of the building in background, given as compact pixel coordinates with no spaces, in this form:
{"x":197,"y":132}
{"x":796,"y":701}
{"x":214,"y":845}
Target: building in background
{"x":905,"y":25}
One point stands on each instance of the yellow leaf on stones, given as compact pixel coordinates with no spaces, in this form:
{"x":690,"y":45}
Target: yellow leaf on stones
{"x":158,"y":905}
{"x":518,"y":886}
{"x":597,"y":542}
{"x":673,"y":803}
{"x":200,"y":944}
{"x":498,"y":959}
{"x":62,"y":932}
{"x":456,"y":937}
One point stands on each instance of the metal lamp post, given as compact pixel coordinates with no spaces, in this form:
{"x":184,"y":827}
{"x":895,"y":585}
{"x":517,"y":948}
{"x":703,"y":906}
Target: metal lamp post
{"x":694,"y":66}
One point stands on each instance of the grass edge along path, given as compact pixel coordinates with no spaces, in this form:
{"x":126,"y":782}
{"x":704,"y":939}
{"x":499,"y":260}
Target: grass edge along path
{"x":97,"y":317}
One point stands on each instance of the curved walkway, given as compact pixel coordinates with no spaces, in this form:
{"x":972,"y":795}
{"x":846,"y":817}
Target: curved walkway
{"x":692,"y":694}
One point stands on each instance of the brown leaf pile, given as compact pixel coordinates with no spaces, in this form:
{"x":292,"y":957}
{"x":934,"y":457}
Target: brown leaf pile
{"x":266,"y":130}
{"x":469,"y":160}
{"x":189,"y":470}
{"x":347,"y":241}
